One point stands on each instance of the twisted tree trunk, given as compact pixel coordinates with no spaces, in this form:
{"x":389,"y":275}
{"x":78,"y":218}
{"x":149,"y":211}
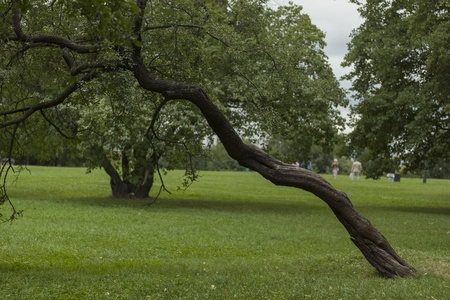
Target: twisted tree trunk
{"x":369,"y":240}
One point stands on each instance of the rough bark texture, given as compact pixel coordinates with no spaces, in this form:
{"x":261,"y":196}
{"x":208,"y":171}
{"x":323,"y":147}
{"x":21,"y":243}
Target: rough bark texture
{"x":369,"y":240}
{"x":125,"y":189}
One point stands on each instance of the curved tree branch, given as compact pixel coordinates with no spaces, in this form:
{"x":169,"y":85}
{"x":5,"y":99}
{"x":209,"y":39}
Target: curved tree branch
{"x":88,"y":67}
{"x":74,"y":134}
{"x":28,"y":111}
{"x":369,"y":240}
{"x":48,"y":38}
{"x":4,"y":170}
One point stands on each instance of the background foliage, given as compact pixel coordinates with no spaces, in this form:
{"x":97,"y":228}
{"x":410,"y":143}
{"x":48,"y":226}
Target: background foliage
{"x":265,"y":68}
{"x":401,"y":69}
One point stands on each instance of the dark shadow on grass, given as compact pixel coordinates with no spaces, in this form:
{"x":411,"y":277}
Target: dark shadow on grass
{"x":422,"y":210}
{"x":409,"y":209}
{"x":220,"y":205}
{"x":237,"y":206}
{"x":244,"y":206}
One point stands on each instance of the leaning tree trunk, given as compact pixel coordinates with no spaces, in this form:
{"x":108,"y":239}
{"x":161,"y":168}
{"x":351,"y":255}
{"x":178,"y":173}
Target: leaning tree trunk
{"x":369,"y":240}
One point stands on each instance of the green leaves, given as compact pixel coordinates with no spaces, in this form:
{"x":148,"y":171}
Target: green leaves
{"x":264,"y":68}
{"x":400,"y":76}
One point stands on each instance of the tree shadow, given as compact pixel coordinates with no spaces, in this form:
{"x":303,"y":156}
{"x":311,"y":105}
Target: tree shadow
{"x":219,"y":205}
{"x":412,"y":209}
{"x":423,"y":210}
{"x":239,"y":206}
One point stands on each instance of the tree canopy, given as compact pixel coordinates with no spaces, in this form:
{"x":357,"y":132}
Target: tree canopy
{"x":264,"y":68}
{"x":237,"y":64}
{"x":401,"y":69}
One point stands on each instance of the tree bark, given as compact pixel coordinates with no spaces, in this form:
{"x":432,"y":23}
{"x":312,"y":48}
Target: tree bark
{"x":125,"y":189}
{"x":142,"y":189}
{"x":134,"y":184}
{"x":119,"y":188}
{"x":369,"y":240}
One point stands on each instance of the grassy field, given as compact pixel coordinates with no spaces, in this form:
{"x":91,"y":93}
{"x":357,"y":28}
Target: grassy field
{"x":229,"y":236}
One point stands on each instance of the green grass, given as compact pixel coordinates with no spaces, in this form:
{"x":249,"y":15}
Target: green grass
{"x":229,"y":236}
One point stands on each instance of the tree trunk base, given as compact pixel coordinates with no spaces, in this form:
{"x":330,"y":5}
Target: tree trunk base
{"x":123,"y":190}
{"x":387,"y":262}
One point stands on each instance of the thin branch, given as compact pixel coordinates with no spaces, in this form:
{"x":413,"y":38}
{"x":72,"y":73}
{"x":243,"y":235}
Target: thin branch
{"x":87,"y":67}
{"x":57,"y":128}
{"x":53,"y":2}
{"x":4,"y":195}
{"x":7,"y":10}
{"x":154,"y":117}
{"x":137,"y":26}
{"x":163,"y":186}
{"x":148,"y":28}
{"x":48,"y":38}
{"x":44,"y":105}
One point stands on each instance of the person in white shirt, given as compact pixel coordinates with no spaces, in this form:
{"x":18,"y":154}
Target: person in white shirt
{"x":356,"y":169}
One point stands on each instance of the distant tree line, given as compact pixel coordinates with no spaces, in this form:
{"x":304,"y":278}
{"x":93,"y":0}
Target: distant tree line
{"x":216,"y":158}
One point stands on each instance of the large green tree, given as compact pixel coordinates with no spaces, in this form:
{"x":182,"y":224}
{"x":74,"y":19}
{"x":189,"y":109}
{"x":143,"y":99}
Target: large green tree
{"x":258,"y":64}
{"x":401,"y":72}
{"x":232,"y":62}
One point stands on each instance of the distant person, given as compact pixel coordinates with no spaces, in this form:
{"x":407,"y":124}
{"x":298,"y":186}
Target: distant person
{"x":335,"y":168}
{"x":356,"y":169}
{"x":391,"y":175}
{"x":306,"y":165}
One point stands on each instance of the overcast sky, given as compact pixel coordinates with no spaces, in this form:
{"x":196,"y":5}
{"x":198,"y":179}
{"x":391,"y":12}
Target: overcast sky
{"x":337,"y":18}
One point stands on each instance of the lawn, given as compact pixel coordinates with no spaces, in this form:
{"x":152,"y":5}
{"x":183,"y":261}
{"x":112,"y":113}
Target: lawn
{"x":231,"y":235}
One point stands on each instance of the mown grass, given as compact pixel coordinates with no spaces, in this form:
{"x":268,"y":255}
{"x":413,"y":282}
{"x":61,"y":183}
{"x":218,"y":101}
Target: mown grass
{"x":232,"y":235}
